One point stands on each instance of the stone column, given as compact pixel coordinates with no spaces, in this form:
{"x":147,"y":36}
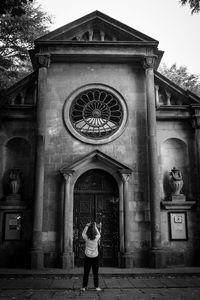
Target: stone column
{"x":157,"y":95}
{"x":196,"y":126}
{"x":36,"y":250}
{"x":168,"y":97}
{"x":155,"y":257}
{"x":67,"y":257}
{"x":127,"y":256}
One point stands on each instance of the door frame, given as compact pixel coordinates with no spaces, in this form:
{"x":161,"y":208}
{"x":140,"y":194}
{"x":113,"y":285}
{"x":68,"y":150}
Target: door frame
{"x":95,"y":160}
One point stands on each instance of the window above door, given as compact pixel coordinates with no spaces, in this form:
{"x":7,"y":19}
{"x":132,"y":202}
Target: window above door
{"x":95,"y":114}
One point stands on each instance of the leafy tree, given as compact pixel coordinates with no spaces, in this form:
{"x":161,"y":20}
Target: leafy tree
{"x":17,"y":35}
{"x":181,"y":77}
{"x":194,"y":5}
{"x":14,"y":7}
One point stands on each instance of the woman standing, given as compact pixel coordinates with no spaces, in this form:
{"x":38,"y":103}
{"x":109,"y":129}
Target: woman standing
{"x":91,"y":235}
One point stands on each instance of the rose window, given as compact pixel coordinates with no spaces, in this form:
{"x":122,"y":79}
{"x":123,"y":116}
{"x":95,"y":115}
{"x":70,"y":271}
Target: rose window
{"x":96,"y":114}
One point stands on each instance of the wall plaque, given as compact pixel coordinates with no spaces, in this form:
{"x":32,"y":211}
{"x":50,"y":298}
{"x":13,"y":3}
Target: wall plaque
{"x":12,"y":226}
{"x":178,"y":226}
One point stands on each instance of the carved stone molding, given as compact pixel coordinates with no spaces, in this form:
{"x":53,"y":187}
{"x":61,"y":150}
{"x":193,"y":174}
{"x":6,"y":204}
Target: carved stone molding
{"x":149,"y":62}
{"x":125,"y":175}
{"x":43,"y":60}
{"x":178,"y":205}
{"x":67,"y":173}
{"x":196,"y":118}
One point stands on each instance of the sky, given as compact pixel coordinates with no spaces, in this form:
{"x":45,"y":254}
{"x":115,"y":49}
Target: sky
{"x":177,"y":31}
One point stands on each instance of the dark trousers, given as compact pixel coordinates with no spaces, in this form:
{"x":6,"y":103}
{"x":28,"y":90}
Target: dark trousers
{"x":88,"y":263}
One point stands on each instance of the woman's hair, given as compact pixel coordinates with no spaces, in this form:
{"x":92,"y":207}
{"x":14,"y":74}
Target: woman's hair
{"x":91,"y":232}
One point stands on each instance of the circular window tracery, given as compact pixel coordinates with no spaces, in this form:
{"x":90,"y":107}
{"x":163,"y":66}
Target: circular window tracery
{"x":95,"y":114}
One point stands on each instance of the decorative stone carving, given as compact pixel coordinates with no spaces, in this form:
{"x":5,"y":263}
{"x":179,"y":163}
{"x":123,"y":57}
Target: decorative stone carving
{"x":177,"y":201}
{"x":43,"y":60}
{"x":14,"y":180}
{"x":13,"y":184}
{"x":176,"y":181}
{"x":149,"y":62}
{"x":196,"y":118}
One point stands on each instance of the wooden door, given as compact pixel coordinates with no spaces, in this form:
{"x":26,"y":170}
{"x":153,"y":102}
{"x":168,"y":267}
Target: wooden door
{"x":102,"y":208}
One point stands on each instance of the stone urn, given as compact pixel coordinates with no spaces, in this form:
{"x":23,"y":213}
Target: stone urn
{"x":14,"y":181}
{"x":176,"y":181}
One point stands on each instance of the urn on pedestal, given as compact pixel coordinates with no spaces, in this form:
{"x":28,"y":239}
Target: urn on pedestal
{"x":176,"y":183}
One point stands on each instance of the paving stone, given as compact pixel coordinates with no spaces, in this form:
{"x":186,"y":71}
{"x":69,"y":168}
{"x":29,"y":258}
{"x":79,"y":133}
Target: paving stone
{"x":124,"y":282}
{"x":62,"y":284}
{"x":40,"y":283}
{"x":138,"y":283}
{"x":169,"y":282}
{"x":111,"y":282}
{"x":154,"y":282}
{"x":16,"y":283}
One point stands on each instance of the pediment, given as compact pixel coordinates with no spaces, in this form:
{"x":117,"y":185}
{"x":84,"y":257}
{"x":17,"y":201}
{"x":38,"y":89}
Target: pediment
{"x":21,"y":93}
{"x":94,"y":157}
{"x":96,"y":27}
{"x":172,"y":95}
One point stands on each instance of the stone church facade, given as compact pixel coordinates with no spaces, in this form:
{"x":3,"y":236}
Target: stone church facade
{"x":95,"y":133}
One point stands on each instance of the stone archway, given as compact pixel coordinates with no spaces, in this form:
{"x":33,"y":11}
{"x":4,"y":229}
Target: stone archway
{"x":96,"y":198}
{"x":119,"y":173}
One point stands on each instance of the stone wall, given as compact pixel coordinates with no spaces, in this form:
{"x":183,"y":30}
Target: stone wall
{"x":17,"y":150}
{"x":61,"y":148}
{"x":176,"y":147}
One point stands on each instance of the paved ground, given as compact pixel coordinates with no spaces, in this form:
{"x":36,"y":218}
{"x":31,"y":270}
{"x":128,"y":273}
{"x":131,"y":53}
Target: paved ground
{"x":157,"y":286}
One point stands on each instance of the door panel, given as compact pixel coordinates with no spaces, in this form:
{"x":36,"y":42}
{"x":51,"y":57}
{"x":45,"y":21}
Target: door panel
{"x":107,"y":215}
{"x":83,"y":213}
{"x":102,"y":209}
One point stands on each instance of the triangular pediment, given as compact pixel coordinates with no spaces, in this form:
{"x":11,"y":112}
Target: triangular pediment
{"x":96,"y":27}
{"x":96,"y":156}
{"x":21,"y":93}
{"x":170,"y":94}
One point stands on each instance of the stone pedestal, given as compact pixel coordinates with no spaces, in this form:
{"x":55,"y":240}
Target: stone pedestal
{"x":179,"y":197}
{"x":37,"y":259}
{"x":157,"y":258}
{"x":67,"y":260}
{"x":127,"y":259}
{"x":13,"y":198}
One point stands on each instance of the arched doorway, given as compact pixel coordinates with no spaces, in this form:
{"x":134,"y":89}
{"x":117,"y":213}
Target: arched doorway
{"x":96,"y":198}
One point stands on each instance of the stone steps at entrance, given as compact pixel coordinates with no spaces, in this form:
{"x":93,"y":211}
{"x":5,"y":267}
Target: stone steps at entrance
{"x":104,"y":272}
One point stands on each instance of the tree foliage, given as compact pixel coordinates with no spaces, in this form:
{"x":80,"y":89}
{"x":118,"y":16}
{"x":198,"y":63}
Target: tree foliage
{"x":194,"y":5}
{"x":17,"y":35}
{"x":181,"y":77}
{"x":13,"y":7}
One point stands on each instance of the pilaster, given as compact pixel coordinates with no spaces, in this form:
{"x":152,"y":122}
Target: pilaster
{"x":67,"y":257}
{"x":153,"y":164}
{"x":196,"y":126}
{"x":36,"y":250}
{"x":127,"y":255}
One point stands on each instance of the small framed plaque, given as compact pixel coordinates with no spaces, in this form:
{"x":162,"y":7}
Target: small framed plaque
{"x":178,"y":226}
{"x":12,"y":226}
